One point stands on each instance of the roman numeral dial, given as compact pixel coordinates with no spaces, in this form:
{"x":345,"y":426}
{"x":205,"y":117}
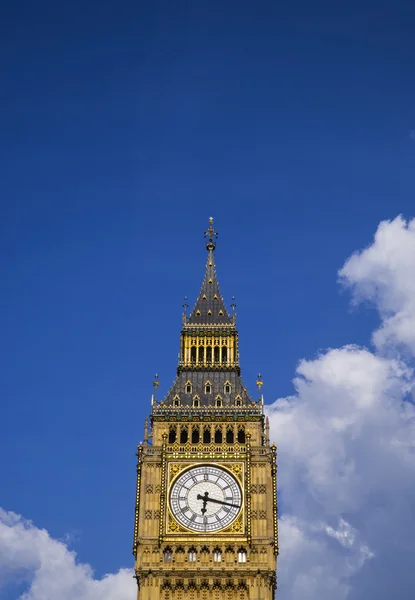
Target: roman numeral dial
{"x":205,"y":498}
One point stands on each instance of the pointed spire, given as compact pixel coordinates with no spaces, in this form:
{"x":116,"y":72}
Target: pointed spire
{"x":185,"y":307}
{"x":259,"y":384}
{"x":267,"y":431}
{"x":155,"y":386}
{"x":210,"y":307}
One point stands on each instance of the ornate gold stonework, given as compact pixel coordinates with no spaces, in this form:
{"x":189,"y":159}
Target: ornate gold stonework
{"x":209,"y":433}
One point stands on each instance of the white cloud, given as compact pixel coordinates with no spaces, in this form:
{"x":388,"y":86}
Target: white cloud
{"x":50,"y":569}
{"x":346,"y":445}
{"x":383,"y":274}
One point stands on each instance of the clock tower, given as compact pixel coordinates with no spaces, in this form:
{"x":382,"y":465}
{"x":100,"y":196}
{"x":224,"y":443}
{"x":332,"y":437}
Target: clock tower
{"x":206,"y":523}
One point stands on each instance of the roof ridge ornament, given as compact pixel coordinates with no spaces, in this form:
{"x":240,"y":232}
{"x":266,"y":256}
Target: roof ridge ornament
{"x":212,"y":235}
{"x":233,"y":306}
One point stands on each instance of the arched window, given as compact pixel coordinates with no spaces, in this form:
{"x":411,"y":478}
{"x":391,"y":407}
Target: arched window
{"x":224,"y":354}
{"x":217,"y":555}
{"x":183,"y":435}
{"x":188,"y":387}
{"x":193,"y":354}
{"x":208,"y":387}
{"x":168,"y":554}
{"x":241,"y":435}
{"x":241,"y":555}
{"x":229,"y":436}
{"x":196,"y":402}
{"x":192,"y":554}
{"x":227,"y":388}
{"x":218,"y":401}
{"x":176,"y":400}
{"x":195,"y":435}
{"x":218,"y":436}
{"x":216,"y":353}
{"x":209,"y":354}
{"x":206,"y":436}
{"x":172,"y":434}
{"x":201,"y":354}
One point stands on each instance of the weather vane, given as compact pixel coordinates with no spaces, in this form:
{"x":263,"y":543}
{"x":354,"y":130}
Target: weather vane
{"x":212,"y":235}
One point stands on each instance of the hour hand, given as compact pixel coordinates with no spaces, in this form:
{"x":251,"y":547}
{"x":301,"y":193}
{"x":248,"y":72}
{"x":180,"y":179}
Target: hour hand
{"x":206,"y":498}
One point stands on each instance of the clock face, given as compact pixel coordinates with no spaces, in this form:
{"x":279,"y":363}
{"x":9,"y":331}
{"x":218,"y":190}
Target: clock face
{"x":205,"y":498}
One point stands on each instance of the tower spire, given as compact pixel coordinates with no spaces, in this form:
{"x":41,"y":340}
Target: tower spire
{"x":210,"y":307}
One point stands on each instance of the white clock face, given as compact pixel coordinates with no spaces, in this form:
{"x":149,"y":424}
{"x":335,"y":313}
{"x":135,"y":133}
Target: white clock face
{"x":205,"y":498}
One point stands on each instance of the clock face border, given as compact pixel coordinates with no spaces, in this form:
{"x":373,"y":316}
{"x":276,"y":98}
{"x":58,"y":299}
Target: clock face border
{"x":236,"y":480}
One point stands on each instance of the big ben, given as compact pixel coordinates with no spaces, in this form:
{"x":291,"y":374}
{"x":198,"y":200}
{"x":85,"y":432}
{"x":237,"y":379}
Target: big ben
{"x":206,"y":521}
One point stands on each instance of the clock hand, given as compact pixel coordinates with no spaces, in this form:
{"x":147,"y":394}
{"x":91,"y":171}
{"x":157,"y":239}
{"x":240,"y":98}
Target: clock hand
{"x":206,"y":498}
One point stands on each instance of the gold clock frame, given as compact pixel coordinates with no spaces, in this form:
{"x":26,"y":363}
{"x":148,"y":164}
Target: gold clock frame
{"x":237,"y":526}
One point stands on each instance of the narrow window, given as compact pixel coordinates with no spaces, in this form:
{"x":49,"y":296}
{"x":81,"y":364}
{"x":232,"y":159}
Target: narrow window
{"x":218,"y":402}
{"x":218,"y":436}
{"x":208,"y":388}
{"x":192,"y":555}
{"x":196,"y":403}
{"x":241,"y":555}
{"x":195,"y":435}
{"x":183,"y":435}
{"x":193,"y":353}
{"x":168,"y":555}
{"x":229,"y":436}
{"x":206,"y":436}
{"x":216,"y":354}
{"x":209,"y":354}
{"x":176,"y":401}
{"x":227,"y":388}
{"x":241,"y":436}
{"x":224,"y":354}
{"x":188,"y":388}
{"x":201,"y":354}
{"x":172,"y":435}
{"x":217,"y":556}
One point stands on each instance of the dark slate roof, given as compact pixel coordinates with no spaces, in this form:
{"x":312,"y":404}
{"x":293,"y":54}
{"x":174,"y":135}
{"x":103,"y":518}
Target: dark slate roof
{"x":198,"y":379}
{"x":210,"y":303}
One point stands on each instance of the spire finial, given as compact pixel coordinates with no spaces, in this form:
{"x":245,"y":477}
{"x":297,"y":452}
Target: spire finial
{"x":185,"y":307}
{"x":259,"y":383}
{"x":155,"y":385}
{"x":233,"y":306}
{"x":212,"y":235}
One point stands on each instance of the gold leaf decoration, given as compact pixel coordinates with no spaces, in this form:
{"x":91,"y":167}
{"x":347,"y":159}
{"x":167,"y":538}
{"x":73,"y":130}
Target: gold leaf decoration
{"x":175,"y":468}
{"x":237,"y":470}
{"x":173,"y":526}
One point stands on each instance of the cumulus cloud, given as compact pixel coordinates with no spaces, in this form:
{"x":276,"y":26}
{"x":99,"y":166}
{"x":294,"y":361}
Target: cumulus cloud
{"x":346,"y":444}
{"x":383,"y":274}
{"x":346,"y":447}
{"x":29,"y":554}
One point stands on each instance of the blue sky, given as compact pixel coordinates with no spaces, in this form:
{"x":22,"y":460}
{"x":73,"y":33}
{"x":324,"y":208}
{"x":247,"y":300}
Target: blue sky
{"x":124,"y":126}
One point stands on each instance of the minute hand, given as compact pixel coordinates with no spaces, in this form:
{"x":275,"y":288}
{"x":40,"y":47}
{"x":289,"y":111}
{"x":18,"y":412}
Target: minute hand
{"x":207,"y":499}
